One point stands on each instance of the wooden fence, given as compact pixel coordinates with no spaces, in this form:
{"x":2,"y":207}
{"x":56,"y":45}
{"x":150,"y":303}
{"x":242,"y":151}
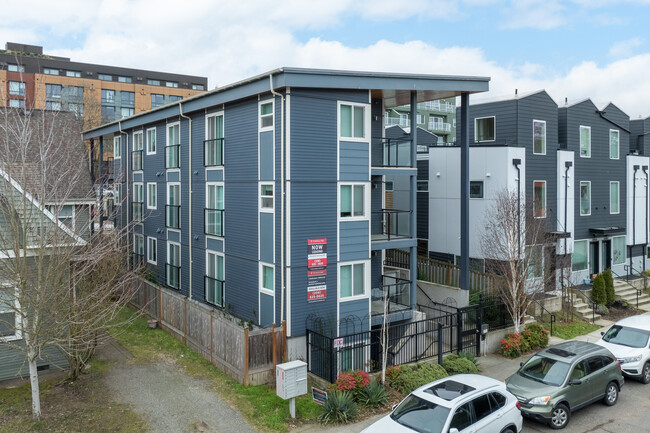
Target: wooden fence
{"x":248,"y":356}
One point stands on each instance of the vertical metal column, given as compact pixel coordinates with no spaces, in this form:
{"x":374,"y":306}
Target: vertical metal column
{"x":464,"y":191}
{"x":100,"y":159}
{"x":413,"y":181}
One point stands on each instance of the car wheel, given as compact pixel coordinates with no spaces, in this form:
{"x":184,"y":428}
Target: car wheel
{"x":645,"y":373}
{"x":560,"y":417}
{"x":611,"y":394}
{"x":508,"y":430}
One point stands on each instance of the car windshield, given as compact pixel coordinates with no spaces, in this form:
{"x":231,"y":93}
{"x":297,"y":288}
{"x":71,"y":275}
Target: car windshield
{"x":420,"y":415}
{"x":624,"y":336}
{"x":545,"y":370}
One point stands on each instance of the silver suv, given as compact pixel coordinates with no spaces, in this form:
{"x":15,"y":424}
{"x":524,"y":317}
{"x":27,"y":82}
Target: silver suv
{"x":629,"y":341}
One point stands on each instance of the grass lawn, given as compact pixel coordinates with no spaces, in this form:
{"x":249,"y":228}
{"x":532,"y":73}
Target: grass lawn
{"x":569,"y":330}
{"x":260,"y":405}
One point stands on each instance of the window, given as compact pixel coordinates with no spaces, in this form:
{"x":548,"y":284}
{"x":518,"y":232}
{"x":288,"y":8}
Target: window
{"x":138,"y":244}
{"x":152,"y":193}
{"x":534,"y":260}
{"x":108,"y":96}
{"x":171,"y":83}
{"x":53,"y":91}
{"x":618,"y":250}
{"x":52,"y":105}
{"x":484,"y":129}
{"x":580,"y":257}
{"x":266,"y":115}
{"x":423,"y":186}
{"x":117,"y":194}
{"x":172,"y":213}
{"x":351,"y":280}
{"x":213,"y":146}
{"x":172,"y":149}
{"x":198,"y":87}
{"x":50,"y":71}
{"x":352,"y":201}
{"x":214,"y":209}
{"x":614,"y":136}
{"x":173,"y":266}
{"x":614,"y":206}
{"x":214,"y":281}
{"x":389,"y":185}
{"x":157,"y":100}
{"x":76,"y":74}
{"x":153,"y":82}
{"x":9,"y":329}
{"x":73,"y":93}
{"x":17,"y":88}
{"x":481,"y":407}
{"x":121,"y":79}
{"x":64,"y":214}
{"x":266,"y":196}
{"x":138,"y":200}
{"x":15,"y":68}
{"x":174,"y":98}
{"x":117,"y":147}
{"x":476,"y":189}
{"x":585,"y":141}
{"x":77,"y":109}
{"x":151,"y":141}
{"x":539,"y":198}
{"x":127,"y":98}
{"x":126,"y":112}
{"x":539,"y":137}
{"x":152,"y":250}
{"x":267,"y":281}
{"x":108,"y":113}
{"x":136,"y":155}
{"x":17,"y":103}
{"x":585,"y":198}
{"x":462,"y":417}
{"x":352,"y":121}
{"x":105,"y":77}
{"x":420,"y":118}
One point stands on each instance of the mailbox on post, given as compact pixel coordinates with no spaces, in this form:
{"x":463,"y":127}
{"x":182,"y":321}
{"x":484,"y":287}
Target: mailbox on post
{"x":290,"y":382}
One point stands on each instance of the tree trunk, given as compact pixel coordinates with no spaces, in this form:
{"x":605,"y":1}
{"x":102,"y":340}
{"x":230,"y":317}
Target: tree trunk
{"x":33,"y":379}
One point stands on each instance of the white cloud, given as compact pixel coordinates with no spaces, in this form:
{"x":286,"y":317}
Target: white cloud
{"x":536,"y":14}
{"x":625,"y":48}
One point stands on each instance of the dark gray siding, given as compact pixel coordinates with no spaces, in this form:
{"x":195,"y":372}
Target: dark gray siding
{"x":354,"y":164}
{"x":352,"y":314}
{"x":354,"y":240}
{"x":423,"y":201}
{"x":14,"y":366}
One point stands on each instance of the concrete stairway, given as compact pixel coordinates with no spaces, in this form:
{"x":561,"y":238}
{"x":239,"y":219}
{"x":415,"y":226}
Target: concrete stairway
{"x":627,"y":292}
{"x":583,"y":309}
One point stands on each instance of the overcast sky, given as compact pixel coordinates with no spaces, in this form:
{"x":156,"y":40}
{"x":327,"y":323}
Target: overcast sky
{"x":573,"y":48}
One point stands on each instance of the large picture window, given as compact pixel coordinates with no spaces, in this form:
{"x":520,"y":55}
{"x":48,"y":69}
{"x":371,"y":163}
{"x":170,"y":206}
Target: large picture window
{"x":585,"y":141}
{"x":351,"y":280}
{"x":352,"y":118}
{"x":539,"y":137}
{"x":580,"y":257}
{"x":614,"y":201}
{"x":484,"y":129}
{"x":618,"y":250}
{"x":539,"y":198}
{"x":585,"y":198}
{"x":352,"y":201}
{"x":614,"y":137}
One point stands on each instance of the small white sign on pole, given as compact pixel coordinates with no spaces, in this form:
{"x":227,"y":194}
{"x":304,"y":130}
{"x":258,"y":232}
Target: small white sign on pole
{"x":338,"y":343}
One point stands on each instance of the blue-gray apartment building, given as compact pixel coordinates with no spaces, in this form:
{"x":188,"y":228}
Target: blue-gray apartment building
{"x":266,"y":198}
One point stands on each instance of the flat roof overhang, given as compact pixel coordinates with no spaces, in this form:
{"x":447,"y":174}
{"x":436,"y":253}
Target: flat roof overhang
{"x":606,"y":231}
{"x":394,"y":88}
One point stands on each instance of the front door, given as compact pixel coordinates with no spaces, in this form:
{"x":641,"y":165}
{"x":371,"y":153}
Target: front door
{"x":594,"y":255}
{"x":549,"y":268}
{"x":607,"y":254}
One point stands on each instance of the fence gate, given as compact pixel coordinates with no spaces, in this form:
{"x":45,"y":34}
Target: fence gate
{"x":469,"y":324}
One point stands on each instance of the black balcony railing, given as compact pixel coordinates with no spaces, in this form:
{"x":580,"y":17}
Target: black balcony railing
{"x":214,"y":222}
{"x":396,"y":152}
{"x":136,"y":160}
{"x":390,"y":224}
{"x":172,"y":276}
{"x":173,"y":216}
{"x":213,"y":152}
{"x":136,"y":210}
{"x":173,"y":156}
{"x":214,"y":290}
{"x":395,"y":291}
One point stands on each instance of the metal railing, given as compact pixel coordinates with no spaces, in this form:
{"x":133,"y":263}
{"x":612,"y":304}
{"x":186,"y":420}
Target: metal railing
{"x":391,"y":223}
{"x":396,"y":152}
{"x":627,"y":280}
{"x":395,"y":291}
{"x":437,"y":106}
{"x":173,"y":216}
{"x":136,"y":211}
{"x":136,"y":160}
{"x":588,"y":301}
{"x":172,"y":276}
{"x":213,"y":152}
{"x":213,"y":221}
{"x":214,"y":289}
{"x":397,"y":121}
{"x":440,"y":126}
{"x":552,"y":318}
{"x":173,"y":156}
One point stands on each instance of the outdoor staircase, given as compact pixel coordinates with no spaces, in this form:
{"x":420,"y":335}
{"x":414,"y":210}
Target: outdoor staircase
{"x":583,"y":310}
{"x":627,"y":292}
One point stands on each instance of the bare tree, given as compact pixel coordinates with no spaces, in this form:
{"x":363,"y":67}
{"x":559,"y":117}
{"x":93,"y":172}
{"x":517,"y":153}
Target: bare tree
{"x":385,"y":347}
{"x":512,"y":243}
{"x":61,"y":288}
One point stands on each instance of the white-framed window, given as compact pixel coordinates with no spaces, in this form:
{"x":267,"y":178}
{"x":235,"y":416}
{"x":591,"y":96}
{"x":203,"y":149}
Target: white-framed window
{"x":172,"y":84}
{"x":50,"y":71}
{"x":420,"y":119}
{"x":9,"y":317}
{"x":15,"y":68}
{"x":352,"y":280}
{"x":585,"y":198}
{"x":614,"y":201}
{"x":17,"y":88}
{"x":173,"y":266}
{"x":117,"y":147}
{"x":266,"y":115}
{"x":198,"y":87}
{"x":614,"y":140}
{"x":152,"y":250}
{"x":122,"y":79}
{"x":151,"y":141}
{"x":585,"y":141}
{"x":172,"y":148}
{"x":172,"y":211}
{"x":138,"y":200}
{"x":136,"y":156}
{"x":352,"y":121}
{"x":65,"y":214}
{"x":152,"y":195}
{"x":266,"y":197}
{"x":539,"y":198}
{"x":535,"y":259}
{"x":484,"y":129}
{"x":619,"y":250}
{"x":352,"y":200}
{"x":74,"y":74}
{"x":214,"y":208}
{"x":214,"y":283}
{"x":117,"y":194}
{"x":580,"y":256}
{"x":105,"y":77}
{"x":153,"y":82}
{"x":267,"y":281}
{"x":475,"y":189}
{"x":213,"y":145}
{"x":138,"y":244}
{"x":539,"y":137}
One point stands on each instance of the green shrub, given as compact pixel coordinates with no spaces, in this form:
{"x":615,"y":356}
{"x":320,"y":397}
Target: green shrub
{"x":454,"y":364}
{"x":535,"y":336}
{"x":374,"y":395}
{"x":392,"y":372}
{"x":514,"y":345}
{"x":338,"y":408}
{"x":415,"y":375}
{"x":609,"y":286}
{"x":598,"y":294}
{"x":469,"y":356}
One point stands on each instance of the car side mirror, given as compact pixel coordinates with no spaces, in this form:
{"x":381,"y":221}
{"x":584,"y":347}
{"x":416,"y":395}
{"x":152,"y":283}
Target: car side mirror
{"x":453,"y":430}
{"x":602,"y":333}
{"x":521,"y":364}
{"x":394,"y":406}
{"x":575,"y":382}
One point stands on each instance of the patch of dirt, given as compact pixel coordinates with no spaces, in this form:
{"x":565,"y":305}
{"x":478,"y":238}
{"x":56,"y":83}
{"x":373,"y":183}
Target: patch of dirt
{"x":365,"y":412}
{"x":618,"y":313}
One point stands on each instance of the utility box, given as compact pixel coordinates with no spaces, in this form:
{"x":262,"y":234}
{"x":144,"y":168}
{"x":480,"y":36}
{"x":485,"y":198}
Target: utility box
{"x":291,"y":379}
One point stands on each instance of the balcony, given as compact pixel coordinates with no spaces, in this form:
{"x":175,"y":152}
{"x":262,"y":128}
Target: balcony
{"x":214,"y":291}
{"x":394,"y":294}
{"x":444,"y":107}
{"x":395,"y":152}
{"x":136,"y":210}
{"x":391,"y":224}
{"x":172,"y":276}
{"x":173,"y":216}
{"x":405,"y":123}
{"x":136,"y":160}
{"x":440,"y":126}
{"x":213,"y":222}
{"x":173,"y":156}
{"x":213,"y":152}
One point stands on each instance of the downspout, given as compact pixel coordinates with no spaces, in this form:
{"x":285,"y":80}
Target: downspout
{"x":636,"y":168}
{"x":282,"y":215}
{"x":516,"y":162}
{"x":464,"y":192}
{"x":567,"y":165}
{"x":645,"y":245}
{"x":189,"y":225}
{"x":127,"y":203}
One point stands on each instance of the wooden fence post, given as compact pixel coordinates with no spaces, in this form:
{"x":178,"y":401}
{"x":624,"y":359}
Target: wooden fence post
{"x":185,"y":320}
{"x":160,"y":310}
{"x":273,"y":346}
{"x":284,"y":341}
{"x":211,"y":336}
{"x":246,"y":356}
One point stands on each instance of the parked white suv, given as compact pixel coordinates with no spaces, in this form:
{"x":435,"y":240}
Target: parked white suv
{"x":465,"y":401}
{"x":629,"y":341}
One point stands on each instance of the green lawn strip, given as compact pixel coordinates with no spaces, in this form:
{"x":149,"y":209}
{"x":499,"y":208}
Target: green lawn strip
{"x":569,"y":330}
{"x":260,"y":405}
